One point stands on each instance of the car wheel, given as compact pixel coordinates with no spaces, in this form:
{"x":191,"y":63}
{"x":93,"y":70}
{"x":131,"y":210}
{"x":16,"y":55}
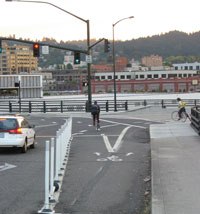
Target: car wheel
{"x":24,"y":148}
{"x":32,"y":146}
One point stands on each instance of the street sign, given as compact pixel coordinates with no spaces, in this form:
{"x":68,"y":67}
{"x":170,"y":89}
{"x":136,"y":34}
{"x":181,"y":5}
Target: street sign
{"x":88,"y":58}
{"x":45,"y":49}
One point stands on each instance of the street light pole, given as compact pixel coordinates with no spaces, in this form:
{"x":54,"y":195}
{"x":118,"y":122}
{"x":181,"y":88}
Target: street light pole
{"x":88,"y":41}
{"x":114,"y":67}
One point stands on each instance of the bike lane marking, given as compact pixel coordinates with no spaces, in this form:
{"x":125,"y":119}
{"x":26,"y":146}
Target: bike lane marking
{"x":6,"y":166}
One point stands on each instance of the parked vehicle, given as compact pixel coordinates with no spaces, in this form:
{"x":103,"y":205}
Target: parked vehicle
{"x":15,"y":131}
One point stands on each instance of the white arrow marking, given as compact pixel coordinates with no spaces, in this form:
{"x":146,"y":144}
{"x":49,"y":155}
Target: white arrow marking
{"x":6,"y":166}
{"x":130,"y":153}
{"x":118,"y":142}
{"x":107,"y":143}
{"x":119,"y":139}
{"x":97,"y":153}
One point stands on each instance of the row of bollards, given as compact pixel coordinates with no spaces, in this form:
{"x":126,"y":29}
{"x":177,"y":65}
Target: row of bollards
{"x":56,"y":157}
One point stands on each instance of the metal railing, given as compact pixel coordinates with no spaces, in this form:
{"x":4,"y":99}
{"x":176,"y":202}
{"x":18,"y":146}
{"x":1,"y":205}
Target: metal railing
{"x":195,"y":118}
{"x":56,"y":158}
{"x":31,"y":106}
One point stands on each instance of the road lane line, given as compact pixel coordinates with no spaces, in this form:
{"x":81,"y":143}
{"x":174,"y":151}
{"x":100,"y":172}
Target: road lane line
{"x":119,"y":141}
{"x":107,"y":143}
{"x":125,"y":124}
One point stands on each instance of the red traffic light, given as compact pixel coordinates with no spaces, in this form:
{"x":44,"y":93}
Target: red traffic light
{"x":36,"y":49}
{"x":36,"y":45}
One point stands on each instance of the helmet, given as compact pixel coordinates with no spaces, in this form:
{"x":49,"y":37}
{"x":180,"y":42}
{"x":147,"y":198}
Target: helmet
{"x":178,"y":99}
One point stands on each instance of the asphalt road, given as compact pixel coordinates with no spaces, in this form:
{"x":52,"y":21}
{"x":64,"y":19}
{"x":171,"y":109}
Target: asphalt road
{"x":107,"y":169}
{"x":22,"y":180}
{"x":105,"y":172}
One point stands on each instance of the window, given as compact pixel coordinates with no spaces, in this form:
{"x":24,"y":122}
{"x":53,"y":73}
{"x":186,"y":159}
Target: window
{"x":141,"y":76}
{"x":109,"y":77}
{"x":103,"y":77}
{"x":164,"y":75}
{"x":155,"y":76}
{"x":122,"y":77}
{"x":191,"y":67}
{"x":128,"y":76}
{"x":24,"y":124}
{"x":186,"y":68}
{"x":179,"y":75}
{"x":149,"y":76}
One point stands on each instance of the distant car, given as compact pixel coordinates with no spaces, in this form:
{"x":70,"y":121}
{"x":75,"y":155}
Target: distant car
{"x":15,"y":131}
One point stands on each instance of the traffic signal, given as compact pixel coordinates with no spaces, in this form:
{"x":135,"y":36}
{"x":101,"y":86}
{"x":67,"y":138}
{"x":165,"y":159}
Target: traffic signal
{"x":84,"y":83}
{"x":77,"y":58}
{"x":0,"y":46}
{"x":106,"y":46}
{"x":36,"y":49}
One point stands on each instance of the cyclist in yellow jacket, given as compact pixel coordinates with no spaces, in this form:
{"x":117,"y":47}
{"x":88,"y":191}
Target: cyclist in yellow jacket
{"x":181,"y":106}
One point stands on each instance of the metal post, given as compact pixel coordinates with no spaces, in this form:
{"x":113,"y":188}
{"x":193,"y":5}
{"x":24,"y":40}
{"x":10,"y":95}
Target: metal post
{"x":52,"y":171}
{"x":114,"y":79}
{"x":114,"y":67}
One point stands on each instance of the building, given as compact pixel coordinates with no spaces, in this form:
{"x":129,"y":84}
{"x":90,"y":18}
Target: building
{"x":68,"y":80}
{"x":187,"y":66}
{"x":121,"y":63}
{"x":152,"y":61}
{"x":17,"y":59}
{"x":147,"y":81}
{"x":28,"y":86}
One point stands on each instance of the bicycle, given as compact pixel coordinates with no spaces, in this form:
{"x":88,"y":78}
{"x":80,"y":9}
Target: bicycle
{"x":184,"y":116}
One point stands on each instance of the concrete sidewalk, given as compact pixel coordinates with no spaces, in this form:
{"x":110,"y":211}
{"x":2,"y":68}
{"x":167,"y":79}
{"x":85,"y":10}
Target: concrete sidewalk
{"x":175,"y":152}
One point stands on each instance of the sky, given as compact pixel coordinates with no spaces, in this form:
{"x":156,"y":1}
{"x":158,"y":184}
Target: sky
{"x":151,"y":17}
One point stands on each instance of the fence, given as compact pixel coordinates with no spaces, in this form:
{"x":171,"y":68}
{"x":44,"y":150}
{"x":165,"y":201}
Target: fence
{"x":29,"y":106}
{"x":56,"y":157}
{"x":195,"y":118}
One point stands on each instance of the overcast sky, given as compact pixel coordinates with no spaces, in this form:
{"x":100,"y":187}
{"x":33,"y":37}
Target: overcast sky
{"x":151,"y":17}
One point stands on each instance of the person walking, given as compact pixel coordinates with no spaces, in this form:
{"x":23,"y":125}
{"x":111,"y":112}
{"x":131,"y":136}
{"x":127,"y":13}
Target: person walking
{"x":95,"y":111}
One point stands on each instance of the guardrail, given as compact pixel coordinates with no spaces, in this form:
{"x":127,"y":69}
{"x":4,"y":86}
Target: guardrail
{"x":56,"y":158}
{"x":195,"y":118}
{"x":31,"y":106}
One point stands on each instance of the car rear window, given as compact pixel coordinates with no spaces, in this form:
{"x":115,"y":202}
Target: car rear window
{"x":8,"y":123}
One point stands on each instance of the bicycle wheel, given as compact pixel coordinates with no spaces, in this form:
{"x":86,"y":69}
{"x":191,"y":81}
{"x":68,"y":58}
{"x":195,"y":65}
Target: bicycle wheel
{"x":174,"y":115}
{"x":183,"y":116}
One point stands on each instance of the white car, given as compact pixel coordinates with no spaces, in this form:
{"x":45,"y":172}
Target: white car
{"x":15,"y":131}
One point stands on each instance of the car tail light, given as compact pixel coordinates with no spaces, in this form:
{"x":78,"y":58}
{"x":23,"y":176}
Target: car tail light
{"x":15,"y":131}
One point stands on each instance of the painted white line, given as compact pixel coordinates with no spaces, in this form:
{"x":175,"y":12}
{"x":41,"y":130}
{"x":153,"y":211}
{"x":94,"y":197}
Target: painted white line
{"x":6,"y":166}
{"x":83,"y":131}
{"x":109,"y":125}
{"x":74,"y":135}
{"x":45,"y":125}
{"x":40,"y":136}
{"x":125,"y":124}
{"x":130,"y":153}
{"x":73,"y":202}
{"x":119,"y":139}
{"x":92,"y":135}
{"x":107,"y":143}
